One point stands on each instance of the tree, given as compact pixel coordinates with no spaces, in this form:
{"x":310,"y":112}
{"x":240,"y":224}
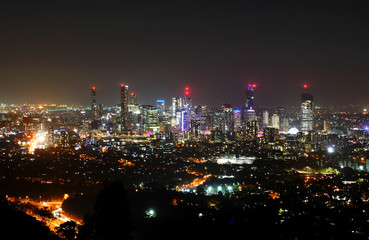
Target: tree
{"x":67,"y":230}
{"x":112,"y":217}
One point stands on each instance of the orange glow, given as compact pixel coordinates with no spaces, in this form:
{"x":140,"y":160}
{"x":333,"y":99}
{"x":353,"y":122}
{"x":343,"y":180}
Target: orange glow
{"x":126,"y":163}
{"x":274,"y":195}
{"x":196,"y":182}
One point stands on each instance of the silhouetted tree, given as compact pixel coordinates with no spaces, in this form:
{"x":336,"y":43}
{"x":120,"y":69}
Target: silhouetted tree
{"x":111,"y":218}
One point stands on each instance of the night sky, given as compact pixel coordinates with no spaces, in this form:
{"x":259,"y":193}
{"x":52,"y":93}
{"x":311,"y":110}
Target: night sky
{"x":55,"y":51}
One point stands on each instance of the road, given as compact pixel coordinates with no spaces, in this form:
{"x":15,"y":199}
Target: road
{"x":55,"y":208}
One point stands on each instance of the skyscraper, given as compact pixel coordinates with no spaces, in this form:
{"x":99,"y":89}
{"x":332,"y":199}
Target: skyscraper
{"x":93,"y":103}
{"x":249,"y":113}
{"x":307,"y":112}
{"x":133,"y":99}
{"x":124,"y":107}
{"x":160,"y":105}
{"x":265,"y":118}
{"x":186,"y":111}
{"x":275,"y":121}
{"x":250,"y":97}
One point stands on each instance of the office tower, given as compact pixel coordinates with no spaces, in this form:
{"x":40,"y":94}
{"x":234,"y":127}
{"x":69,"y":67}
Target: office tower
{"x":227,"y":118}
{"x":133,"y":99}
{"x":251,"y":130}
{"x":265,"y":118}
{"x":285,"y":124}
{"x":177,"y":105}
{"x":200,"y":113}
{"x":237,"y":116}
{"x":160,"y":105}
{"x":270,"y":134}
{"x":187,"y":102}
{"x":250,"y":97}
{"x":124,"y":107}
{"x":275,"y":121}
{"x":326,"y":125}
{"x":149,"y":119}
{"x":249,"y":113}
{"x":307,"y":112}
{"x":93,"y":103}
{"x":186,"y":111}
{"x":195,"y":127}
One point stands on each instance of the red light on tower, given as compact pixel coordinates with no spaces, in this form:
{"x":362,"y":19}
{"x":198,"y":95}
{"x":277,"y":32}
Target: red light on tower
{"x":122,"y":85}
{"x":133,"y":94}
{"x":93,"y":88}
{"x":305,"y":86}
{"x":187,"y":91}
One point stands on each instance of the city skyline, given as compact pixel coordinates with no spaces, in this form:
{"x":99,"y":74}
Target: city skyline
{"x":184,"y":119}
{"x":52,"y":51}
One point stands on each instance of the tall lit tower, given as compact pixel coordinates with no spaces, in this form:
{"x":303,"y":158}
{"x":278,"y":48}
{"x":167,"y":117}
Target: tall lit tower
{"x":249,"y":114}
{"x":133,"y":99}
{"x":124,"y":107}
{"x":187,"y":100}
{"x":250,"y":97}
{"x":307,"y":111}
{"x":93,"y":103}
{"x":186,"y":111}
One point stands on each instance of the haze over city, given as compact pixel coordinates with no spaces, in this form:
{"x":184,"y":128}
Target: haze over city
{"x":51,"y":52}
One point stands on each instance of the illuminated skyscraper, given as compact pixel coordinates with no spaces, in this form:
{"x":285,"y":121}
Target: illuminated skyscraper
{"x":250,"y":97}
{"x":160,"y":105}
{"x":275,"y":121}
{"x":93,"y":103}
{"x":187,"y":103}
{"x":186,"y":111}
{"x":237,"y":117}
{"x":307,"y":112}
{"x":265,"y":118}
{"x":177,"y":105}
{"x":249,"y":113}
{"x":133,"y":99}
{"x":124,"y":107}
{"x":251,"y":130}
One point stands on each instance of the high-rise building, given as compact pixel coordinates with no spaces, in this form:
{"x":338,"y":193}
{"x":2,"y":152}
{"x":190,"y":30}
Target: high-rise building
{"x":133,"y":99}
{"x":227,"y":124}
{"x":177,"y":105}
{"x":124,"y":107}
{"x":270,"y":134}
{"x":186,"y":111}
{"x":285,"y":124}
{"x":250,"y":97}
{"x":149,"y":118}
{"x":275,"y":121}
{"x":251,"y":130}
{"x":160,"y":105}
{"x":237,"y":116}
{"x":93,"y":103}
{"x":249,"y":113}
{"x":307,"y":112}
{"x":265,"y":118}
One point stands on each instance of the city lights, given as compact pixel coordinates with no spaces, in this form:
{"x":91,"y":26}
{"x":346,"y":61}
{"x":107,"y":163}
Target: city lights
{"x":330,"y":149}
{"x":184,"y":120}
